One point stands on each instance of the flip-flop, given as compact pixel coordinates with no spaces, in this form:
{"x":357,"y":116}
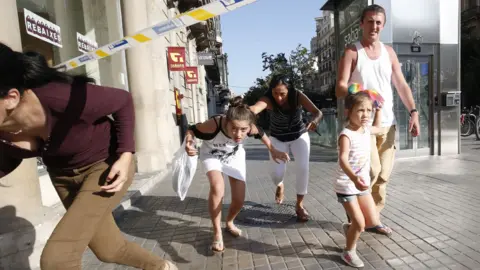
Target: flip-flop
{"x":279,"y":195}
{"x":380,"y":229}
{"x":215,"y":244}
{"x":302,"y":215}
{"x":234,"y":233}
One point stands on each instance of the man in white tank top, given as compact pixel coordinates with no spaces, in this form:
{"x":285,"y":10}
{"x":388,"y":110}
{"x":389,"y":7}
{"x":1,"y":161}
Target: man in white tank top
{"x":375,"y":66}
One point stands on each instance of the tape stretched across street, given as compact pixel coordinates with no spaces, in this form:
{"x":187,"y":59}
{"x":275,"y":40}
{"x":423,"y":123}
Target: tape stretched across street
{"x":188,"y":18}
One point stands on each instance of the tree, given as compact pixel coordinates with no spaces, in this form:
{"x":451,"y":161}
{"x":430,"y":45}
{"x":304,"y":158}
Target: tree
{"x":298,"y":66}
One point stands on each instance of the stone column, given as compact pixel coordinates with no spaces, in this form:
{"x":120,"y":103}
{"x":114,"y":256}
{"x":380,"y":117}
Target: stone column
{"x":20,"y":197}
{"x":103,"y":24}
{"x":69,"y":16}
{"x":140,"y":76}
{"x":20,"y":200}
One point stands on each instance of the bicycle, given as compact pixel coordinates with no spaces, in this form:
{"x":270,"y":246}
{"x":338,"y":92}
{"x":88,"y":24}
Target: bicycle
{"x":477,"y":124}
{"x":468,"y":121}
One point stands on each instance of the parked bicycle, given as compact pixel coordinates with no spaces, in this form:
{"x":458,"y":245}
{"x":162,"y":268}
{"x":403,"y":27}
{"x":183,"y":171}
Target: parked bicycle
{"x":477,"y":127}
{"x":468,"y":122}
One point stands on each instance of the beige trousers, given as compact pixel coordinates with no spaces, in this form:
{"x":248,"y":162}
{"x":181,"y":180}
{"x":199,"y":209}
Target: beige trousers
{"x":382,"y":158}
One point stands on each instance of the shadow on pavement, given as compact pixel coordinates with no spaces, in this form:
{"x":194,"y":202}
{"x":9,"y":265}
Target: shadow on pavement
{"x":322,"y":155}
{"x":18,"y":239}
{"x":170,"y":222}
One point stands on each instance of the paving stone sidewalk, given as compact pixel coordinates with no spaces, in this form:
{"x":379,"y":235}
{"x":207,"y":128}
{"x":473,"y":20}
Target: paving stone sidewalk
{"x":432,"y":208}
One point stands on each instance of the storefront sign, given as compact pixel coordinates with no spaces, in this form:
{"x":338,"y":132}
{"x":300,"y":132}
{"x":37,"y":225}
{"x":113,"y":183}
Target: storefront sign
{"x":191,"y":75}
{"x":42,"y":29}
{"x":205,"y":58}
{"x":176,"y":58}
{"x":85,"y":44}
{"x":350,"y":35}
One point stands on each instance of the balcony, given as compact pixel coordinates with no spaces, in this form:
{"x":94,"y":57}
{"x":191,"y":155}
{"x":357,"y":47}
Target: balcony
{"x":225,"y":94}
{"x":185,"y":5}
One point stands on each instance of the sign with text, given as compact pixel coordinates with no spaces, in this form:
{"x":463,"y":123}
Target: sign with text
{"x":42,"y":29}
{"x":350,"y":35}
{"x":191,"y":75}
{"x":176,"y":58}
{"x":85,"y":44}
{"x":205,"y":58}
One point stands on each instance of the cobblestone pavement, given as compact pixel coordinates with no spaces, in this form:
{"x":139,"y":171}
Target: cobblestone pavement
{"x":432,"y":208}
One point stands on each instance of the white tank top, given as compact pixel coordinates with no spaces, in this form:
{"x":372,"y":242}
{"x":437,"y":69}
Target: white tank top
{"x":376,"y":74}
{"x":220,"y":147}
{"x":358,"y":159}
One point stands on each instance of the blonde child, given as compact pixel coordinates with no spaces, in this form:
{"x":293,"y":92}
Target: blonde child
{"x":353,"y":182}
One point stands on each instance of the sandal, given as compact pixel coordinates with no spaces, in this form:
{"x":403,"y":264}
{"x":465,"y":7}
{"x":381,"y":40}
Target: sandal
{"x":216,"y":246}
{"x":380,"y":229}
{"x":302,"y":215}
{"x":279,"y":195}
{"x":235,"y":232}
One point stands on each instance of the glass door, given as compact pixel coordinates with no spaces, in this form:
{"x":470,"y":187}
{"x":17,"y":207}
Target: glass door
{"x":417,"y":73}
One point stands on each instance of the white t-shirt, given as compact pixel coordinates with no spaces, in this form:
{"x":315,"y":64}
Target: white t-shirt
{"x":223,"y":154}
{"x":358,"y":159}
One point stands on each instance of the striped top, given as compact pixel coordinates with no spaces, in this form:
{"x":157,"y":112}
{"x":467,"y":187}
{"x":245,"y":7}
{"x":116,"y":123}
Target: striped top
{"x":285,"y":125}
{"x":358,"y":159}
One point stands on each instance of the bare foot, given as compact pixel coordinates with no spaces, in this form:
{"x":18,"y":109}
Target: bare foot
{"x":279,"y":195}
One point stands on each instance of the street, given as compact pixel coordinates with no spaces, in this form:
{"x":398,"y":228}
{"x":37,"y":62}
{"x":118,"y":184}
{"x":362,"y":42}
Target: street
{"x":432,"y":208}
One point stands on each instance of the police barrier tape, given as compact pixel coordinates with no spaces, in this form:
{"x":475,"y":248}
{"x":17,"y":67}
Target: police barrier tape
{"x":191,"y":17}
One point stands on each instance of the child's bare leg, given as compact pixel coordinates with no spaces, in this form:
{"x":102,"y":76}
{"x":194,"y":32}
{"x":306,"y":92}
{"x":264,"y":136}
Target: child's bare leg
{"x":357,"y":222}
{"x":372,"y":217}
{"x":357,"y":226}
{"x":217,"y":188}
{"x":238,"y":198}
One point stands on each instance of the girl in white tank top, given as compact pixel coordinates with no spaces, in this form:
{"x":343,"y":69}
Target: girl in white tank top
{"x":352,"y":183}
{"x":222,"y":153}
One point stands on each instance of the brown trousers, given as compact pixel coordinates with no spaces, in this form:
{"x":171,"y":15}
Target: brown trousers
{"x":89,"y":222}
{"x":382,"y":159}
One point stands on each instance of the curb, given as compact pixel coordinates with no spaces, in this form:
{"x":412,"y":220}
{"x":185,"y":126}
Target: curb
{"x":133,"y":195}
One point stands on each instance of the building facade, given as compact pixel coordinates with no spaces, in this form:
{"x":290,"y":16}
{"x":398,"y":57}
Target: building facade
{"x":326,"y":51}
{"x":79,"y":26}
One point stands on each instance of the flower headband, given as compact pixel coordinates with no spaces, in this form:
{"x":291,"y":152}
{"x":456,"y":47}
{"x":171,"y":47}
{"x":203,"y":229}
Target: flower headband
{"x":374,"y":95}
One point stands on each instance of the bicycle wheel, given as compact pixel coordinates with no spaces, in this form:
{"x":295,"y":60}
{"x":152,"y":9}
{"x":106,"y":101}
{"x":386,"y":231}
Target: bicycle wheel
{"x":471,"y":123}
{"x":477,"y":128}
{"x":466,"y":128}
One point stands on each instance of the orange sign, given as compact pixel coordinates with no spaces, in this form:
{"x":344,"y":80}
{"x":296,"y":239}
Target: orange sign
{"x":191,"y":75}
{"x":176,"y":58}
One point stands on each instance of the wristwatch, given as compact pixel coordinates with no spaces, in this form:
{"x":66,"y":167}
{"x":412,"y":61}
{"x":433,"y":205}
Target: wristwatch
{"x":412,"y":111}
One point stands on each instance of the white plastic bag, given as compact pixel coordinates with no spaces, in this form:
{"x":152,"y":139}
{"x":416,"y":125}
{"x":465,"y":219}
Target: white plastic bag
{"x":183,"y":170}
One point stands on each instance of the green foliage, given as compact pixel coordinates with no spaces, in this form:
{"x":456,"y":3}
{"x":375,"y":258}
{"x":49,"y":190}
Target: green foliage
{"x":298,"y":66}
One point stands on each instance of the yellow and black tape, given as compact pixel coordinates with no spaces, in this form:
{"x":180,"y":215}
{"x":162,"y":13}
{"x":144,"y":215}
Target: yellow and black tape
{"x":183,"y":20}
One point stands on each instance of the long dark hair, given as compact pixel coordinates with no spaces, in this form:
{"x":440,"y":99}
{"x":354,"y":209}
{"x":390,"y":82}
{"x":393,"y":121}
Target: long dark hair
{"x":292,"y":93}
{"x":30,"y":70}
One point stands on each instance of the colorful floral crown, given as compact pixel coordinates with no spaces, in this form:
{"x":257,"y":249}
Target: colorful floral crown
{"x":374,"y":95}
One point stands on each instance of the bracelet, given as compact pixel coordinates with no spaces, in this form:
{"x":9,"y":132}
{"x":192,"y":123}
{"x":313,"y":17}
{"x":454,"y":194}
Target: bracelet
{"x":412,"y":111}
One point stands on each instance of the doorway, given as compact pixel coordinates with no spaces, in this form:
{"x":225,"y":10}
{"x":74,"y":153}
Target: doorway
{"x":417,"y":71}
